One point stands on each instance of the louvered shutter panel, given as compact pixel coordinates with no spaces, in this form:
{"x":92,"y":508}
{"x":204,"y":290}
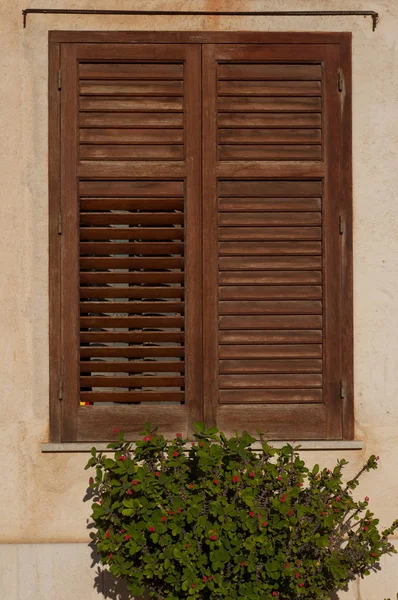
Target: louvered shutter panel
{"x":272,"y":314}
{"x":130,"y":249}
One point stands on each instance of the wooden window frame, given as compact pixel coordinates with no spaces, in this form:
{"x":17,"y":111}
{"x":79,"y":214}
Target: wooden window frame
{"x":343,"y":41}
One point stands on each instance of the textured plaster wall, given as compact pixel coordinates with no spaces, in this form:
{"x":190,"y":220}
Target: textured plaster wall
{"x":41,"y":494}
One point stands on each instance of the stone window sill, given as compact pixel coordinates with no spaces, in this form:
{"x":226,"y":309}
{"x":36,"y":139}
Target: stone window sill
{"x":304,"y":445}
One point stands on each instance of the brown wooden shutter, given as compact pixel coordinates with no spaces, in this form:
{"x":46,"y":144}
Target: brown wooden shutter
{"x":272,"y":245}
{"x":130,"y":249}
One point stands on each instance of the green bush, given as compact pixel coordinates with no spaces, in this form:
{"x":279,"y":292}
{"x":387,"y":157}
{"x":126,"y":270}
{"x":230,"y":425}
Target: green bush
{"x":215,"y":519}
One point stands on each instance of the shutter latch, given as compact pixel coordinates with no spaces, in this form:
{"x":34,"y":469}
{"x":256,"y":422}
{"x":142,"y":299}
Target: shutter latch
{"x":340,"y":80}
{"x":341,"y":225}
{"x":59,"y":80}
{"x":60,"y":390}
{"x":342,"y":389}
{"x":59,"y":223}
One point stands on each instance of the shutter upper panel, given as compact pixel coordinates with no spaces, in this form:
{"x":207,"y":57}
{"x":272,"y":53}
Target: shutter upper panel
{"x":131,"y":250}
{"x":271,"y":202}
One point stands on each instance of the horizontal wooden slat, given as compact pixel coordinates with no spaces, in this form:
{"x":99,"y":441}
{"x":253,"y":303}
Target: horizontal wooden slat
{"x":297,"y":219}
{"x":249,"y":104}
{"x":135,"y":88}
{"x":131,"y":397}
{"x":248,"y":255}
{"x":144,"y":248}
{"x":132,"y":322}
{"x":269,"y":88}
{"x":269,"y":120}
{"x":271,"y":322}
{"x":269,"y":204}
{"x":269,"y":152}
{"x":131,"y":307}
{"x":270,"y":366}
{"x":137,"y":136}
{"x":298,"y":336}
{"x":113,"y":70}
{"x":133,"y":152}
{"x":131,"y":233}
{"x":271,"y":351}
{"x":274,"y":263}
{"x":270,"y":169}
{"x":271,"y":188}
{"x":130,"y":292}
{"x":139,"y":189}
{"x":111,"y":262}
{"x":265,"y":71}
{"x":176,"y":366}
{"x":139,"y":278}
{"x":132,"y":104}
{"x":130,"y":120}
{"x":133,"y":337}
{"x":264,"y":307}
{"x":131,"y":382}
{"x":269,"y":136}
{"x":298,"y":380}
{"x":270,"y":396}
{"x":269,"y":277}
{"x":138,"y":218}
{"x":270,"y":233}
{"x":128,"y":170}
{"x":128,"y":352}
{"x":145,"y":204}
{"x":265,"y":292}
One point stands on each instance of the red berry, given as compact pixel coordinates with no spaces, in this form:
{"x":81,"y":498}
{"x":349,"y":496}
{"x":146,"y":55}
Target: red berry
{"x":122,"y":458}
{"x":265,"y":523}
{"x":366,"y":499}
{"x":164,"y":519}
{"x":301,"y":584}
{"x":110,"y":556}
{"x":279,"y":477}
{"x":91,"y":481}
{"x":338,"y":498}
{"x":186,"y":545}
{"x":193,"y":585}
{"x":122,"y":531}
{"x":235,"y":479}
{"x":251,"y":514}
{"x":275,"y":594}
{"x":175,"y":453}
{"x":365,"y":528}
{"x":299,"y":485}
{"x":287,"y":565}
{"x":149,"y":437}
{"x":107,"y":534}
{"x":204,"y":579}
{"x":297,"y":575}
{"x":178,"y":435}
{"x":243,"y":564}
{"x":191,"y":486}
{"x":151,"y":528}
{"x":215,"y":481}
{"x":192,"y":444}
{"x":324,"y":512}
{"x":201,"y":444}
{"x":171,"y":512}
{"x":157,"y":474}
{"x":179,"y":510}
{"x":116,"y":430}
{"x":127,"y":537}
{"x":134,"y":482}
{"x":213,"y":537}
{"x":129,"y":492}
{"x":373,"y":554}
{"x":252,"y":474}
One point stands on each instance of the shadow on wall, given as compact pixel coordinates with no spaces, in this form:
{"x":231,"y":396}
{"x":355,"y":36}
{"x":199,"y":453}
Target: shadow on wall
{"x":106,"y":584}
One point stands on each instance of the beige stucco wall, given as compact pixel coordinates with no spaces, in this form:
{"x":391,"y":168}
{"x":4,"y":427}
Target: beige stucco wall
{"x":41,"y":494}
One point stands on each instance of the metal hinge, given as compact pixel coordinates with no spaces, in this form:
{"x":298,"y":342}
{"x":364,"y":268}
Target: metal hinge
{"x":59,"y":80}
{"x":340,"y":80}
{"x":60,"y":389}
{"x":59,"y":223}
{"x":341,"y":225}
{"x":342,"y":389}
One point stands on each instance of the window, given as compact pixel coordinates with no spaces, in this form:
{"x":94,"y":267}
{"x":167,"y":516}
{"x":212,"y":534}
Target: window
{"x":200,"y":233}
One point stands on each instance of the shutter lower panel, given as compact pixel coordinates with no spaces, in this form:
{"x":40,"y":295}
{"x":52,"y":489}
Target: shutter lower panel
{"x":132,"y":200}
{"x":271,"y":202}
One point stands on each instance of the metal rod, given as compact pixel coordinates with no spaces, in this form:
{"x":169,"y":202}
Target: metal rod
{"x":276,"y":13}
